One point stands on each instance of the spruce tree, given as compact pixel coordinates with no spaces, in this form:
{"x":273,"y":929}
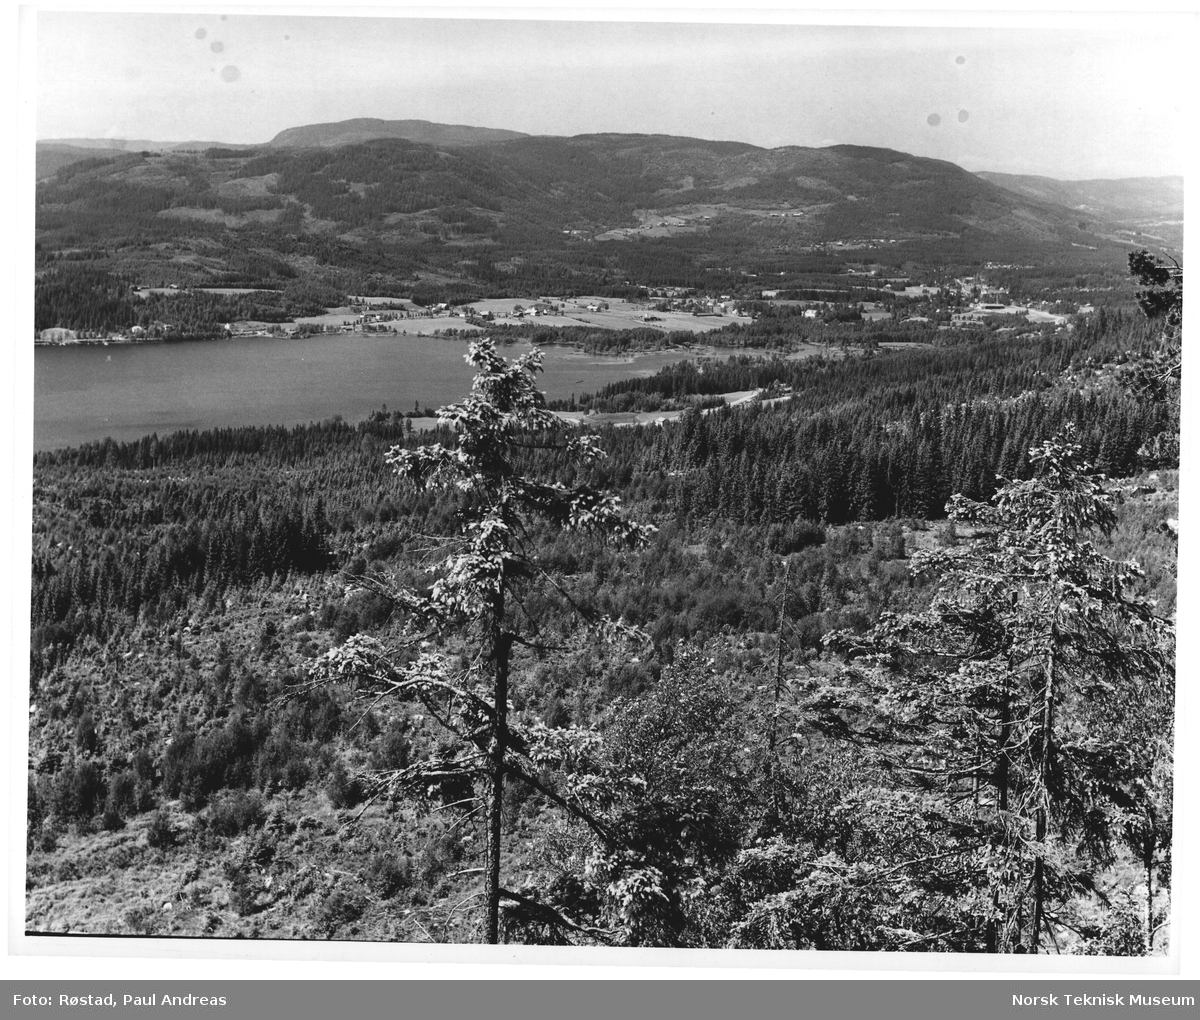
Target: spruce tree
{"x":481,"y":585}
{"x":1000,"y":704}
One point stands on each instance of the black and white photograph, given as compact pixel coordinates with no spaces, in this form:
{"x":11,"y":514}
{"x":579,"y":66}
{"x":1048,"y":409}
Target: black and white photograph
{"x":686,"y":483}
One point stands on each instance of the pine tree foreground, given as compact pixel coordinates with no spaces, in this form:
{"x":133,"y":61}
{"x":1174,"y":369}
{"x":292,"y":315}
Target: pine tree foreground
{"x":480,"y":588}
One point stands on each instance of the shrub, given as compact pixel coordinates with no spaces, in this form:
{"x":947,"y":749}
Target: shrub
{"x":946,"y":535}
{"x":790,"y":538}
{"x":343,"y":789}
{"x":195,"y":768}
{"x":1121,"y":934}
{"x":388,"y":874}
{"x":317,"y":718}
{"x":362,"y":611}
{"x":144,"y":799}
{"x":122,"y":794}
{"x":441,"y":849}
{"x":557,"y":714}
{"x":329,"y":611}
{"x":282,"y":762}
{"x":85,"y":733}
{"x":249,"y":691}
{"x":266,"y":640}
{"x":67,"y":871}
{"x":889,"y":541}
{"x":626,"y":680}
{"x":394,"y":749}
{"x":366,"y":729}
{"x":46,"y":837}
{"x":516,"y":795}
{"x":324,"y":719}
{"x":177,"y":765}
{"x":160,"y":833}
{"x":143,"y":920}
{"x":341,"y":907}
{"x":809,"y":630}
{"x":243,"y":892}
{"x":143,"y":765}
{"x":34,"y":815}
{"x":78,"y":791}
{"x":236,"y":812}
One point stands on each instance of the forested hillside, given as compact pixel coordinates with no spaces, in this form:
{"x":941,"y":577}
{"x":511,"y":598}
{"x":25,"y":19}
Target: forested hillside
{"x":1152,"y":205}
{"x":593,"y":214}
{"x":79,"y":296}
{"x":882,"y":619}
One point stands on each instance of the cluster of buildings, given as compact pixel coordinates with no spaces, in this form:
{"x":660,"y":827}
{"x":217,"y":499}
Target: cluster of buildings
{"x":57,"y":336}
{"x":700,"y":305}
{"x":540,"y":308}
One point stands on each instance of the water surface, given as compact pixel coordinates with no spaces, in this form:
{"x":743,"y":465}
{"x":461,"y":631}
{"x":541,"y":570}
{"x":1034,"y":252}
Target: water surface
{"x":85,"y":393}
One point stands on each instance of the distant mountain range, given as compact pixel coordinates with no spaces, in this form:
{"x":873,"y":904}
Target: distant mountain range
{"x":364,"y":129}
{"x":1124,"y":199}
{"x":55,"y":153}
{"x":134,"y":145}
{"x":1130,"y":199}
{"x":451,"y":202}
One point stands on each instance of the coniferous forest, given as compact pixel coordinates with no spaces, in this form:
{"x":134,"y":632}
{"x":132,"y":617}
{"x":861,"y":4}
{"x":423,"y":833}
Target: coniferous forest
{"x":879,"y":659}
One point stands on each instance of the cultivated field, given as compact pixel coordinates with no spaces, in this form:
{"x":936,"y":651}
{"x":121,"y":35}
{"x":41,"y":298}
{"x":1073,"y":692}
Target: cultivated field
{"x":620,"y":314}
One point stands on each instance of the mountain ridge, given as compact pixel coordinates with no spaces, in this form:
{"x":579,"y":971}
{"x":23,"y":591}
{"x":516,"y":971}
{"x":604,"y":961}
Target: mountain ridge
{"x":138,"y":144}
{"x":363,"y":129}
{"x":538,"y":212}
{"x":354,"y":131}
{"x":1117,"y":198}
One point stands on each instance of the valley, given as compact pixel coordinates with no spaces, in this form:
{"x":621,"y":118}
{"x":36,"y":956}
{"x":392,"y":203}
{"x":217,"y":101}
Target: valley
{"x":447,"y":534}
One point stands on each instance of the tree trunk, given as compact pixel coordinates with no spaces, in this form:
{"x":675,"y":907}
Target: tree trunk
{"x":1045,"y":750}
{"x":1148,"y":860}
{"x":772,"y":785}
{"x":501,"y":646}
{"x":1003,"y":939}
{"x":1003,"y":763}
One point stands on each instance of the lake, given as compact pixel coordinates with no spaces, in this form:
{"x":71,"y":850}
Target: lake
{"x":85,"y":393}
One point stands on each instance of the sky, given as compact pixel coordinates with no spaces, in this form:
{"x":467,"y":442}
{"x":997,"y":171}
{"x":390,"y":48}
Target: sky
{"x":1049,"y":97}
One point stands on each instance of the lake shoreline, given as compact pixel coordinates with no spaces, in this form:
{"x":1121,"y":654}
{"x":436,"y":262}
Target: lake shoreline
{"x":86,"y":393}
{"x":501,"y":340}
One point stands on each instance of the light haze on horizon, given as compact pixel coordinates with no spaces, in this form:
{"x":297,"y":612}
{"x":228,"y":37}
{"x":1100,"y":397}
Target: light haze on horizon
{"x":1073,"y":102}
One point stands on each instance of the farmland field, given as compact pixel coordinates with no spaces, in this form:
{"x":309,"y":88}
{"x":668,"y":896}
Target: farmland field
{"x":619,"y":314}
